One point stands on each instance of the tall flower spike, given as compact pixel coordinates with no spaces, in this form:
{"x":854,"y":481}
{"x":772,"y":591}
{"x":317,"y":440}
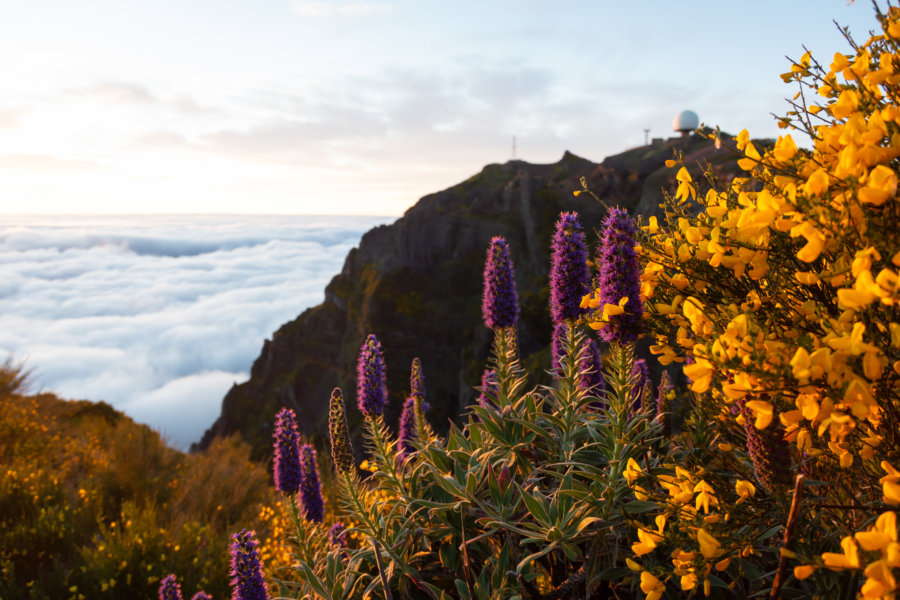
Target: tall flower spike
{"x":310,"y":488}
{"x":371,"y":386}
{"x":592,"y":370}
{"x":247,"y":579}
{"x":337,"y":536}
{"x":558,"y":344}
{"x":407,"y":431}
{"x":169,"y":588}
{"x":489,"y":389}
{"x":500,"y":302}
{"x":287,"y":453}
{"x":417,"y":379}
{"x":665,"y":391}
{"x":619,"y":277}
{"x":768,"y":451}
{"x":569,"y":276}
{"x":641,"y":375}
{"x":341,"y":450}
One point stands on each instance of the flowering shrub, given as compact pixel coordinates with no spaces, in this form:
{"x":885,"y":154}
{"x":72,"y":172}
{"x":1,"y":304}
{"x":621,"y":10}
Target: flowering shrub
{"x":771,"y":469}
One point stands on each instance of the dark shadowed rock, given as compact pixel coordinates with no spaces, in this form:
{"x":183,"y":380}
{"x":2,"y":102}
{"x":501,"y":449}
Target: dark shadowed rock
{"x":416,"y":284}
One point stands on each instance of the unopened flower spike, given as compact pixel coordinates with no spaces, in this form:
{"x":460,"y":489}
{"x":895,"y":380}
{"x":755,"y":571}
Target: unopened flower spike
{"x":339,"y":433}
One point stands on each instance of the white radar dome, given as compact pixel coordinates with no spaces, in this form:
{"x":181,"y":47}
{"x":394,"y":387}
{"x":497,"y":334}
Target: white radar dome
{"x":685,"y":121}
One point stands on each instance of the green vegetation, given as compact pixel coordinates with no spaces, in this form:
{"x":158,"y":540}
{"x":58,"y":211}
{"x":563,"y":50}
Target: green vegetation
{"x":93,"y":505}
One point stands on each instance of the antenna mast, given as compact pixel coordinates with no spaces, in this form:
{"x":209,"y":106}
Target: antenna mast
{"x":514,"y":148}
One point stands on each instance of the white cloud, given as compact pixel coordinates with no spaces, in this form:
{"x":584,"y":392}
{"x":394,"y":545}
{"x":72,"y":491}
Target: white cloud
{"x":346,"y":10}
{"x":134,"y":310}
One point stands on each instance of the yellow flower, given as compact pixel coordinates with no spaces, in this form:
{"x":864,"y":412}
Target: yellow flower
{"x":744,"y":489}
{"x":689,"y":581}
{"x":652,"y":586}
{"x":705,"y":496}
{"x":647,"y":541}
{"x":632,"y":471}
{"x":815,"y":241}
{"x":849,"y":559}
{"x":709,"y":546}
{"x":803,"y":571}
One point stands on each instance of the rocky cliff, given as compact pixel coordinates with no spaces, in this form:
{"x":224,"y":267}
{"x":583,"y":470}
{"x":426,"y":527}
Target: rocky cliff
{"x":416,"y":284}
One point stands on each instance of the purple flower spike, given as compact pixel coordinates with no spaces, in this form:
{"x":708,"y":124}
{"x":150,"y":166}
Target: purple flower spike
{"x":407,"y":427}
{"x":500,"y":303}
{"x":201,"y":595}
{"x":417,"y":379}
{"x":287,"y":453}
{"x":371,"y":387}
{"x":620,"y":276}
{"x":558,"y":345}
{"x":489,"y":389}
{"x":337,"y":536}
{"x":247,"y":579}
{"x":768,"y":451}
{"x":664,"y":394}
{"x":592,"y":370}
{"x":169,"y":588}
{"x":310,"y":489}
{"x":569,"y":274}
{"x":641,"y":374}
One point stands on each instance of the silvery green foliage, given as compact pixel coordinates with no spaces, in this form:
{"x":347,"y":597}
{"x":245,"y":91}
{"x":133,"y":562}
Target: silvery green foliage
{"x":529,"y":486}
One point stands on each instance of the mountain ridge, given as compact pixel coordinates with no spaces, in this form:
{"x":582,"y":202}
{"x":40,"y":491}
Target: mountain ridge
{"x":416,"y":284}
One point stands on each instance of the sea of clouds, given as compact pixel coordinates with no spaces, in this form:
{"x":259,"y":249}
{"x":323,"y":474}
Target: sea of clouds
{"x":159,"y":315}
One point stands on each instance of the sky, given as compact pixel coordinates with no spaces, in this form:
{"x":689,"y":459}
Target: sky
{"x":159,"y":316}
{"x":361,"y":107}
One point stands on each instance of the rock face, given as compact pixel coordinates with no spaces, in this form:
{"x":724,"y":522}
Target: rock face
{"x":416,"y":284}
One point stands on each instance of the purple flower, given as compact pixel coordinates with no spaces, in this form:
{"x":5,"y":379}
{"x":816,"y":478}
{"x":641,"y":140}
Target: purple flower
{"x":287,"y":453}
{"x":417,"y":379}
{"x":569,"y":275}
{"x":169,"y":588}
{"x":339,"y":433}
{"x":490,"y":387}
{"x":407,"y":427}
{"x":337,"y":536}
{"x":619,"y":277}
{"x":371,"y":386}
{"x":664,"y":392}
{"x":640,"y":375}
{"x":558,"y":345}
{"x":247,"y":579}
{"x":500,"y":303}
{"x":768,"y":451}
{"x":591,"y":367}
{"x":201,"y":595}
{"x":310,"y":489}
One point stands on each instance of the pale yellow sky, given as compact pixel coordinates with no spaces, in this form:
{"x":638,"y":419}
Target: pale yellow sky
{"x":345,"y":107}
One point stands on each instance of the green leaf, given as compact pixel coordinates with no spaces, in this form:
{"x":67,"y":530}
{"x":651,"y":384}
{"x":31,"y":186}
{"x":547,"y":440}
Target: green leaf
{"x":614,"y":573}
{"x":587,"y":522}
{"x":536,"y":507}
{"x":636,"y":507}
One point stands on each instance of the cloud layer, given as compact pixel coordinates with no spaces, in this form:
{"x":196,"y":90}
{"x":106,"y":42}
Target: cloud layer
{"x":159,"y":315}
